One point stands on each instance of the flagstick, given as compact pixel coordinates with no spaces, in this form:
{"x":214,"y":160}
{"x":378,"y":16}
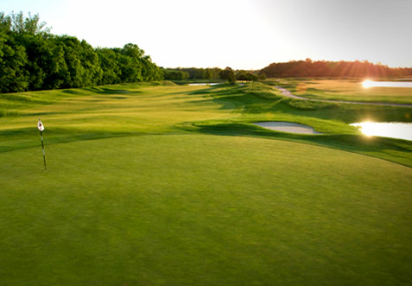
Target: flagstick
{"x":44,"y":153}
{"x":40,"y":126}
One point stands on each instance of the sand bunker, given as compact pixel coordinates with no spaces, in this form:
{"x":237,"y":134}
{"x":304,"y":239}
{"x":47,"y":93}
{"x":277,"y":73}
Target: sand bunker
{"x":287,"y":127}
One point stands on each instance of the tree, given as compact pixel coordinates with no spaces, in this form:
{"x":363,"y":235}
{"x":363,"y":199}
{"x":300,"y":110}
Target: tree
{"x":228,"y":74}
{"x":241,"y":75}
{"x":46,"y":65}
{"x":150,"y":71}
{"x":328,"y":69}
{"x":175,"y":74}
{"x":208,"y":74}
{"x":91,"y":72}
{"x":262,"y":76}
{"x":71,"y":48}
{"x":31,"y":59}
{"x":30,"y":24}
{"x":111,"y":71}
{"x":5,"y":23}
{"x":251,"y":77}
{"x":13,"y":58}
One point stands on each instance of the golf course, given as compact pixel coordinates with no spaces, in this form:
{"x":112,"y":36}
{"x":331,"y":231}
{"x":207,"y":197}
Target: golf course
{"x":170,"y":184}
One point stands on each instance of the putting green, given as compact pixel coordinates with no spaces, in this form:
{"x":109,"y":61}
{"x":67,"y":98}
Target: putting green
{"x":202,"y":210}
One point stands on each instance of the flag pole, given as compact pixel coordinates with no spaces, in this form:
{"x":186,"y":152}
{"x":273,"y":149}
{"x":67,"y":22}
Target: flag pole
{"x":44,"y":153}
{"x":40,"y":126}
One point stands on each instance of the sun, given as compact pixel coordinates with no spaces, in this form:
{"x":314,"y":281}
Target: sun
{"x":367,"y":83}
{"x":369,"y":128}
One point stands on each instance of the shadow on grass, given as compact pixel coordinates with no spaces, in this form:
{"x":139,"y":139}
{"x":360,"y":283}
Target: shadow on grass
{"x":23,"y":138}
{"x":100,"y":91}
{"x":394,"y":150}
{"x":8,"y":113}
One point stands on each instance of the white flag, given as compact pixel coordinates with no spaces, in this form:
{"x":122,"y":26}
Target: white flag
{"x":40,"y":125}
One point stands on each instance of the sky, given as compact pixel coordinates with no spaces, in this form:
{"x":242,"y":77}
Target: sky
{"x":241,"y":34}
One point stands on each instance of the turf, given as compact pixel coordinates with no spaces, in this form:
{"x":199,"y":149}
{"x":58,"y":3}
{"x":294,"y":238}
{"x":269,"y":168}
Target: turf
{"x":156,"y":184}
{"x":203,"y":210}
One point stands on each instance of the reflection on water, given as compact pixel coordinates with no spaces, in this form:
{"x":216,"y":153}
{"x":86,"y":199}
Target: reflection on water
{"x":386,"y":129}
{"x":370,"y":83}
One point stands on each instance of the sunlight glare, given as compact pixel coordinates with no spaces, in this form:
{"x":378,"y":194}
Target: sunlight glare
{"x":400,"y":130}
{"x":368,"y":128}
{"x":367,"y":83}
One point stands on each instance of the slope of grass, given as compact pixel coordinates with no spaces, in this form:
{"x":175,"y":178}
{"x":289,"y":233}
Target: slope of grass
{"x":106,"y":112}
{"x":203,"y":210}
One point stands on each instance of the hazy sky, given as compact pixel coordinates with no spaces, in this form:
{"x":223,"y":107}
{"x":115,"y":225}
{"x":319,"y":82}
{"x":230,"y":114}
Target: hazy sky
{"x":242,"y":34}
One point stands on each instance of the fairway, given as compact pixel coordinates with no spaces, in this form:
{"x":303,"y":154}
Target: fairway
{"x":174,"y":185}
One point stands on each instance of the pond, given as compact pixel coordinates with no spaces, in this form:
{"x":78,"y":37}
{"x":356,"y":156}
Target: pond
{"x":397,"y":130}
{"x":371,"y":83}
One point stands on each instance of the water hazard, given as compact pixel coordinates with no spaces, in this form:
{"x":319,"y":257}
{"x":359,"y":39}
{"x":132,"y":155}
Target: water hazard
{"x":397,"y":130}
{"x":371,"y":83}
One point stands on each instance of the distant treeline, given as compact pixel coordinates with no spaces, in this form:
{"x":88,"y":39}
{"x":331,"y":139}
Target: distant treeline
{"x":31,"y":58}
{"x":309,"y":68}
{"x":209,"y":74}
{"x":191,"y":73}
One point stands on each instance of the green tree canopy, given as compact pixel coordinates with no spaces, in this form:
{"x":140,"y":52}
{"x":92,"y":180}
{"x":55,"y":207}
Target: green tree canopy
{"x":228,"y":74}
{"x":31,"y":58}
{"x":30,"y":24}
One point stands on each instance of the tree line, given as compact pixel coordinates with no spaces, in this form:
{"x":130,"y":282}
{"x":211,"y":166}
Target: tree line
{"x":227,"y":74}
{"x":31,"y":58}
{"x":309,"y":68}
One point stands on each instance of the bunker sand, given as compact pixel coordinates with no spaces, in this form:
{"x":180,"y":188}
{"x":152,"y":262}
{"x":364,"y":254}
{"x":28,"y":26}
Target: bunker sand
{"x":288,"y":127}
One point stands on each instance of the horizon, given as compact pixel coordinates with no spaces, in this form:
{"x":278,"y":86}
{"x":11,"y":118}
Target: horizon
{"x":300,"y":60}
{"x":242,"y":34}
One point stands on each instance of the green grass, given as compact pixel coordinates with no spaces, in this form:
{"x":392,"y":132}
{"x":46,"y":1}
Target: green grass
{"x":157,"y":184}
{"x":203,"y":210}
